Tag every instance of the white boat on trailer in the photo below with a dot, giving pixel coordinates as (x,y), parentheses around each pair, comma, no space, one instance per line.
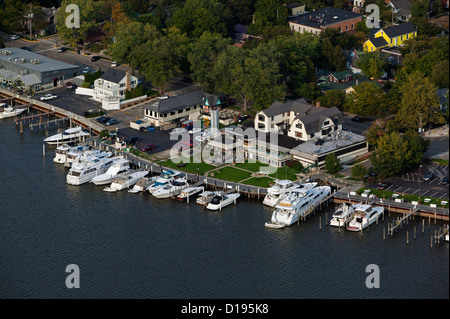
(187,193)
(125,181)
(342,215)
(68,135)
(296,204)
(221,200)
(276,192)
(364,215)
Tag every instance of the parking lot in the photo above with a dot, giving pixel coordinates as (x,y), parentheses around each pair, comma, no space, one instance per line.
(412,182)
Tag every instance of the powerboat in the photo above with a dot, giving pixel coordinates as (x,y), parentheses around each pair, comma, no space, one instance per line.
(125,181)
(188,192)
(220,201)
(9,111)
(84,156)
(171,189)
(63,150)
(364,215)
(120,166)
(142,184)
(67,136)
(164,179)
(342,215)
(205,197)
(83,173)
(275,193)
(296,204)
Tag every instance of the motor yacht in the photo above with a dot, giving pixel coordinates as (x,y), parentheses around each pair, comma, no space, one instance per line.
(120,166)
(83,173)
(84,156)
(125,181)
(275,193)
(68,135)
(142,184)
(171,189)
(205,197)
(342,215)
(296,204)
(221,200)
(9,111)
(165,178)
(187,193)
(364,215)
(63,150)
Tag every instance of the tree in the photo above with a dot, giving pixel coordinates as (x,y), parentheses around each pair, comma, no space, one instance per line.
(334,56)
(388,158)
(332,163)
(359,170)
(439,78)
(419,8)
(372,64)
(332,98)
(268,13)
(367,100)
(11,15)
(243,10)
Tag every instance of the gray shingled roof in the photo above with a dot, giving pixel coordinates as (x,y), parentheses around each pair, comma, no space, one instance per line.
(276,108)
(400,29)
(324,17)
(378,42)
(113,75)
(314,119)
(177,102)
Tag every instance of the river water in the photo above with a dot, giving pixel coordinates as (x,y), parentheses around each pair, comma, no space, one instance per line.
(135,246)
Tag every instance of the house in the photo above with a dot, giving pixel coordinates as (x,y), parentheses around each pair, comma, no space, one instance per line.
(113,84)
(299,120)
(443,99)
(401,8)
(357,6)
(344,81)
(329,17)
(295,9)
(390,37)
(352,58)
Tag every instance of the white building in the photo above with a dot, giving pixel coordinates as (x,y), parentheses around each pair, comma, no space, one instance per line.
(113,84)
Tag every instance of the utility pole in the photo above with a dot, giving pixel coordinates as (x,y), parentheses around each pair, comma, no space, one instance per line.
(30,17)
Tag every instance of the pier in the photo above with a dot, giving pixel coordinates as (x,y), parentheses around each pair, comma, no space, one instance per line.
(400,222)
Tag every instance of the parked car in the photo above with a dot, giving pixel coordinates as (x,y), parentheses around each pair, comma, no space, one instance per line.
(15,37)
(25,48)
(131,140)
(95,58)
(86,70)
(102,119)
(163,97)
(148,148)
(62,49)
(178,130)
(444,181)
(383,186)
(69,86)
(47,97)
(429,177)
(357,119)
(114,64)
(112,122)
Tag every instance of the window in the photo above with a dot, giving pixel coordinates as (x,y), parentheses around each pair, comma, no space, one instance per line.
(261,118)
(346,27)
(180,111)
(172,113)
(401,38)
(407,36)
(352,26)
(326,123)
(391,41)
(261,125)
(299,125)
(298,134)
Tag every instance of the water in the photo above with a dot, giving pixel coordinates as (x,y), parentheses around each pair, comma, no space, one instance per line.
(135,246)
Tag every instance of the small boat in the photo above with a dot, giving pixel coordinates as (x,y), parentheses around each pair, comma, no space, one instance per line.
(125,181)
(67,136)
(9,111)
(220,201)
(142,184)
(364,215)
(172,189)
(188,192)
(205,197)
(164,179)
(83,173)
(120,166)
(342,215)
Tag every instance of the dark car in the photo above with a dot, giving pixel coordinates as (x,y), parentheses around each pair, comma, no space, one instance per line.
(62,49)
(429,177)
(95,58)
(357,119)
(131,140)
(69,86)
(371,173)
(25,48)
(319,142)
(444,181)
(148,148)
(112,122)
(102,119)
(383,186)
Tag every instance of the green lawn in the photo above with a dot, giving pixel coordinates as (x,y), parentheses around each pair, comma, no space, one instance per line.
(259,181)
(189,167)
(231,174)
(254,167)
(285,172)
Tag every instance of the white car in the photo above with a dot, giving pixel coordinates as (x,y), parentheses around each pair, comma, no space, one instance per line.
(114,64)
(163,97)
(15,37)
(47,97)
(86,70)
(178,130)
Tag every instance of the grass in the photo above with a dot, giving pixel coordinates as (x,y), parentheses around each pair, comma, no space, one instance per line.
(231,174)
(440,161)
(259,181)
(285,172)
(189,166)
(254,167)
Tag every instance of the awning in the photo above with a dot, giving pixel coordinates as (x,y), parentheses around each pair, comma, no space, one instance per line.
(30,79)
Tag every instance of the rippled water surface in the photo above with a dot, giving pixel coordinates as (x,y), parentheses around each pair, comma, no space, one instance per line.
(135,246)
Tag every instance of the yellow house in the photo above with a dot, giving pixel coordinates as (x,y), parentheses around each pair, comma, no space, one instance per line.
(390,37)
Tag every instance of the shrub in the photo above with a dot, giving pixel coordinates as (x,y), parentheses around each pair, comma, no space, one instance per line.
(332,163)
(359,170)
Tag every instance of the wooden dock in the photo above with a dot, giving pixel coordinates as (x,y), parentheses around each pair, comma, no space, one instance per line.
(401,222)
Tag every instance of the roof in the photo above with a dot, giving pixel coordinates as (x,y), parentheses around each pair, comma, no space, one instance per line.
(211,100)
(325,17)
(30,79)
(294,5)
(240,28)
(113,75)
(45,64)
(378,42)
(276,108)
(400,29)
(342,74)
(314,119)
(404,7)
(177,102)
(283,141)
(342,86)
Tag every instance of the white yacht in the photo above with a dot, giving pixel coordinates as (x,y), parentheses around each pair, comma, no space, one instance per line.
(120,166)
(9,111)
(171,189)
(205,197)
(63,150)
(342,215)
(164,179)
(220,201)
(83,173)
(275,193)
(125,181)
(364,215)
(186,193)
(67,136)
(296,204)
(85,156)
(142,184)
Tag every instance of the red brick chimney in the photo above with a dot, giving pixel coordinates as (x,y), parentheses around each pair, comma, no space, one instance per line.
(128,81)
(317,104)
